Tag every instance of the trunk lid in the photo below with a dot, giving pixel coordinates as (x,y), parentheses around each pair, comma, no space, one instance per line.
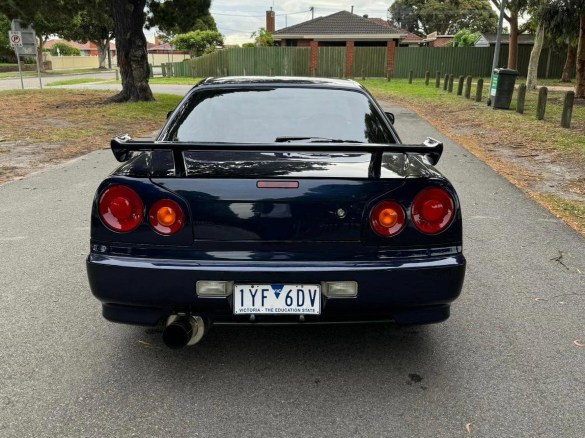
(330,203)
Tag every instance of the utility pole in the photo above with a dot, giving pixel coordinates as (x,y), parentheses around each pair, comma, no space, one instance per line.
(497,49)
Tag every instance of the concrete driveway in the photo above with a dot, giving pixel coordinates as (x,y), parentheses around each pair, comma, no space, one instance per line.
(504,365)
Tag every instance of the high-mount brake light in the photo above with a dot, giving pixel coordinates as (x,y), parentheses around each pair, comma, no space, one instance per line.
(432,210)
(166,217)
(387,218)
(120,208)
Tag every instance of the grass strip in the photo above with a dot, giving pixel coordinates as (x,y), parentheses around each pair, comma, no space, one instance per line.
(524,150)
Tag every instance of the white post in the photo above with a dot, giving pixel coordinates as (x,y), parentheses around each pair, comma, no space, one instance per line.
(38,67)
(19,67)
(497,50)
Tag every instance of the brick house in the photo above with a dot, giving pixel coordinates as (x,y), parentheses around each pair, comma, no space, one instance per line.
(341,29)
(435,40)
(411,40)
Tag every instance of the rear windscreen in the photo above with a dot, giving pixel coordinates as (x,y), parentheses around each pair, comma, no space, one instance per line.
(265,115)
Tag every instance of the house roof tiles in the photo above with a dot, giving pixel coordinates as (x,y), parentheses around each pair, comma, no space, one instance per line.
(340,23)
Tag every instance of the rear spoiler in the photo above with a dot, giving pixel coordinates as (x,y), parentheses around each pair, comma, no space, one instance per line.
(122,147)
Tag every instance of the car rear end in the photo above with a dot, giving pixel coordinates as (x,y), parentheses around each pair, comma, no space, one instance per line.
(291,233)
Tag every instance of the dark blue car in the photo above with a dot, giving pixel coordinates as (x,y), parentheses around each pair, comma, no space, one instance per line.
(275,200)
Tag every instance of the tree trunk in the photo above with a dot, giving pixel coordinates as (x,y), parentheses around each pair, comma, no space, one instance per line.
(535,58)
(40,54)
(131,52)
(102,47)
(580,81)
(513,42)
(569,63)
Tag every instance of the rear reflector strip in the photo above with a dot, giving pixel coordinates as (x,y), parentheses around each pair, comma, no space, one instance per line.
(277,184)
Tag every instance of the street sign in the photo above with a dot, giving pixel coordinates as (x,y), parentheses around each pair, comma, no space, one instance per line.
(24,42)
(15,39)
(28,39)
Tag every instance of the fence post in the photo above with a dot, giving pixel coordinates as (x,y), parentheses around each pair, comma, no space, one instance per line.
(468,87)
(450,87)
(446,82)
(479,90)
(164,70)
(427,77)
(410,74)
(269,72)
(225,71)
(568,109)
(150,71)
(460,85)
(389,75)
(438,80)
(521,99)
(541,106)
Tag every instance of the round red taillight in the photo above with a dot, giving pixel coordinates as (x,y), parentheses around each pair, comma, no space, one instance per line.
(432,210)
(387,218)
(120,208)
(166,217)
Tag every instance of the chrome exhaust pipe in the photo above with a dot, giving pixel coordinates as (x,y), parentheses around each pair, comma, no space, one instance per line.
(183,330)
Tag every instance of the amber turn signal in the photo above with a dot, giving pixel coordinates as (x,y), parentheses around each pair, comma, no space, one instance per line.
(387,218)
(166,216)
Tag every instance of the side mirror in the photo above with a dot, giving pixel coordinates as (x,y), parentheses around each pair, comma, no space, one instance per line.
(390,117)
(169,114)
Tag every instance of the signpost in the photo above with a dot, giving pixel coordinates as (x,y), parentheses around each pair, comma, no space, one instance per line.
(15,39)
(24,43)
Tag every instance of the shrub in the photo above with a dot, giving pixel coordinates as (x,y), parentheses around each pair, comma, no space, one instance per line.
(64,50)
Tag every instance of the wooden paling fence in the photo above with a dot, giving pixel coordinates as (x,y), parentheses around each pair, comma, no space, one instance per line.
(366,62)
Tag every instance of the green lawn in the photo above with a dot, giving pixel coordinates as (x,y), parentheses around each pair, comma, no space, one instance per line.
(76,81)
(14,74)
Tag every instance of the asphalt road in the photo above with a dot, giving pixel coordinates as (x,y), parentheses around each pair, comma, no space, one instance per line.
(32,82)
(504,365)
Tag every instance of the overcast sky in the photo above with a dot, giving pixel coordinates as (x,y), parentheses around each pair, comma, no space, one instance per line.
(237,20)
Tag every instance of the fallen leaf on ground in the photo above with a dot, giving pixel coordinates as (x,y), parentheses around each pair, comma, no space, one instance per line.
(579,343)
(468,427)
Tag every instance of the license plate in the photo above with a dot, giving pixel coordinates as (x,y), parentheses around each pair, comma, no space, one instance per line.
(277,299)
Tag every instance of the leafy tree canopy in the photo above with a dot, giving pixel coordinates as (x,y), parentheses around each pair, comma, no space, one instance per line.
(180,16)
(262,38)
(465,38)
(92,21)
(6,53)
(46,17)
(443,16)
(64,50)
(198,42)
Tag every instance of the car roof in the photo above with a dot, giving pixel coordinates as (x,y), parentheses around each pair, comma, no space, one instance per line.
(282,81)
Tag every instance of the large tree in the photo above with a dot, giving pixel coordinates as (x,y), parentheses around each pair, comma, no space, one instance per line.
(92,22)
(443,16)
(514,9)
(579,7)
(46,17)
(129,20)
(6,52)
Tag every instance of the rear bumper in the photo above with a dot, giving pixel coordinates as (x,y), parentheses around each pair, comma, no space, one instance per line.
(145,291)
